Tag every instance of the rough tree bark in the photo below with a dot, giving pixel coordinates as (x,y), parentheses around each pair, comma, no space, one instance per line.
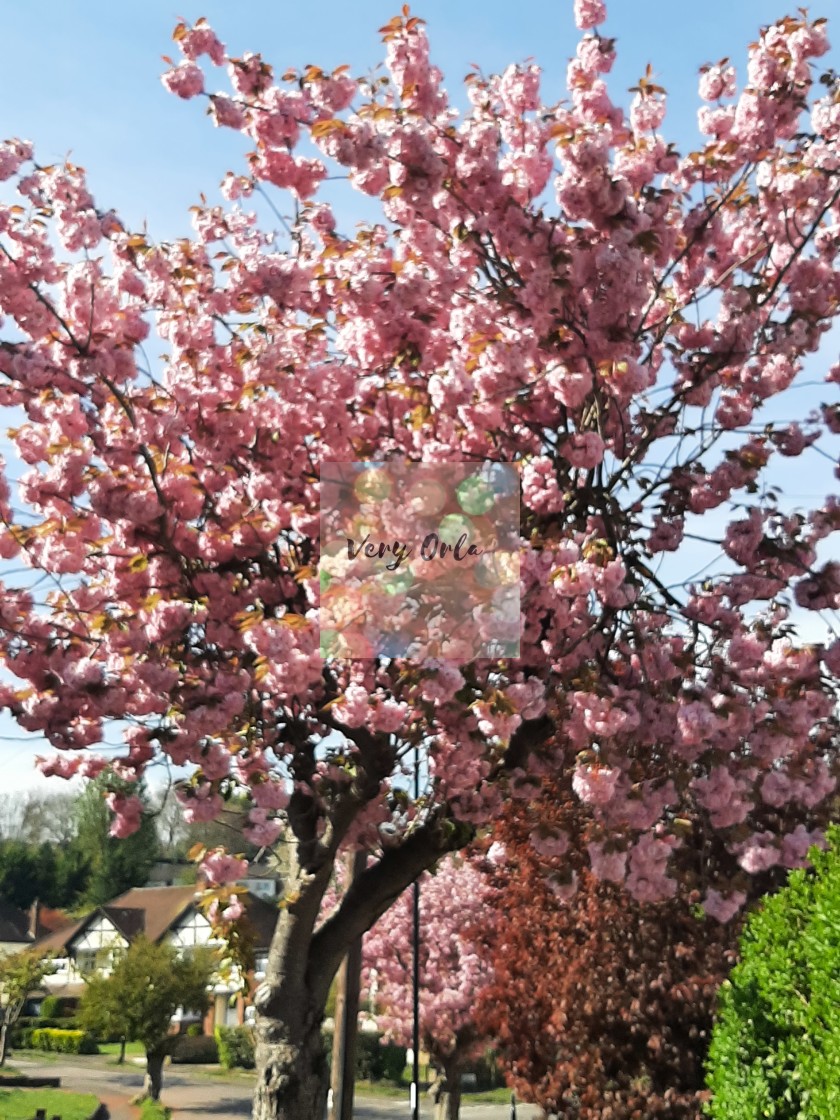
(292,1071)
(452,1073)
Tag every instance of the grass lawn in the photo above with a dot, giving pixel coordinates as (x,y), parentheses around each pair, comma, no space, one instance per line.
(36,1056)
(132,1049)
(389,1091)
(20,1104)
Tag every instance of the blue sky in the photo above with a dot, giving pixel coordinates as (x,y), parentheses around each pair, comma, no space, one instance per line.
(83,79)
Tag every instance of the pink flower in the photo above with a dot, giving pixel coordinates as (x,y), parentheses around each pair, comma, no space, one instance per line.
(184,80)
(226,112)
(589,13)
(723,907)
(759,853)
(595,785)
(59,765)
(261,830)
(12,154)
(584,450)
(608,865)
(717,82)
(647,113)
(200,40)
(234,910)
(388,716)
(219,868)
(128,812)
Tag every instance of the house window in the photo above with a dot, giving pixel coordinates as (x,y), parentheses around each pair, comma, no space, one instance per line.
(260,965)
(86,961)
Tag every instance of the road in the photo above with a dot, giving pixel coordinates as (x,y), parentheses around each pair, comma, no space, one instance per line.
(192,1094)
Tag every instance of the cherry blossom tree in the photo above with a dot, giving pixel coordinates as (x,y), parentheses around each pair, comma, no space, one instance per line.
(549,286)
(453,900)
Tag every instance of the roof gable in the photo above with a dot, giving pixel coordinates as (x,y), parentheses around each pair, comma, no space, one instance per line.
(160,907)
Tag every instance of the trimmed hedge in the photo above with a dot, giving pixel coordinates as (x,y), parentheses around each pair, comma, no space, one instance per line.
(63,1042)
(236,1047)
(375,1061)
(194,1050)
(775,1048)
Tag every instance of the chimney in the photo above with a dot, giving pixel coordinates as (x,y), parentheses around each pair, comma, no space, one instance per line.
(34,920)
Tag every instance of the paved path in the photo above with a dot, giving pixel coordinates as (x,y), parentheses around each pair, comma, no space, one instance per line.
(192,1095)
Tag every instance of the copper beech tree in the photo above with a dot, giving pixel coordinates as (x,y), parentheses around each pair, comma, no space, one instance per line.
(601,1007)
(550,286)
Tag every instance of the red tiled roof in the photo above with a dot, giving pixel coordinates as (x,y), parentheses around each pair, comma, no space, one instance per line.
(51,921)
(59,940)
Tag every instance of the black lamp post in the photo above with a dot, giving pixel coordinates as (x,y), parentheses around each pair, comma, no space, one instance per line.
(415,1073)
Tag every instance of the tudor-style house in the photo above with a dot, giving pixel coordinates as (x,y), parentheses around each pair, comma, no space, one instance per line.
(161,914)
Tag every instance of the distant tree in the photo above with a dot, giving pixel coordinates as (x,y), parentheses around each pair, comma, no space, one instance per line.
(36,818)
(137,1001)
(775,1050)
(452,974)
(72,871)
(20,882)
(20,974)
(116,864)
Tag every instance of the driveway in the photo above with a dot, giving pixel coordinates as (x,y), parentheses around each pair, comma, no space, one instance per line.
(191,1094)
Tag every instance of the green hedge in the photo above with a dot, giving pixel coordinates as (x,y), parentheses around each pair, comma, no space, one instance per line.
(236,1047)
(21,1033)
(375,1061)
(194,1050)
(775,1048)
(63,1042)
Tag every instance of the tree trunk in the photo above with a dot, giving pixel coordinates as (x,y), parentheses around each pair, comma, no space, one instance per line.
(4,1038)
(452,1072)
(293,1075)
(121,1057)
(291,1064)
(153,1079)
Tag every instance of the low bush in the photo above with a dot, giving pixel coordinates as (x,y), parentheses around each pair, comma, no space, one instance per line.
(236,1047)
(194,1030)
(375,1060)
(63,1041)
(378,1061)
(58,1007)
(154,1110)
(194,1050)
(487,1072)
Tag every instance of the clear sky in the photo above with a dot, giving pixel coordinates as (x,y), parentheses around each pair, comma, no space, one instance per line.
(81,77)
